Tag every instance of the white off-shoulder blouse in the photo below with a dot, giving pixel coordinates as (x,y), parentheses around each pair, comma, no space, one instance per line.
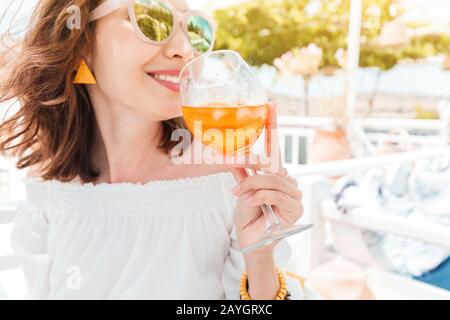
(169,239)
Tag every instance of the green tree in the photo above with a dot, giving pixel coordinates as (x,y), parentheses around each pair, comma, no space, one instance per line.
(427,45)
(263,30)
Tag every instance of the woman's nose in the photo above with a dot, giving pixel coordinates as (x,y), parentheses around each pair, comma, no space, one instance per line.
(179,47)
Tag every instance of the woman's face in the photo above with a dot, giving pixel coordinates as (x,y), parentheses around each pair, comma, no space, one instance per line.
(123,65)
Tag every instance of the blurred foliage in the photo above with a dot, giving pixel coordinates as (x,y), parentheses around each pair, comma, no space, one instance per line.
(423,114)
(427,45)
(262,30)
(419,47)
(155,22)
(382,58)
(201,37)
(265,29)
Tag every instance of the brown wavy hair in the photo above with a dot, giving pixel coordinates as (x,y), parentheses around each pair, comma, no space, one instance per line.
(55,125)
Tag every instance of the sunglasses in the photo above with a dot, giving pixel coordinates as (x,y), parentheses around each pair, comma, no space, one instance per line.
(156,22)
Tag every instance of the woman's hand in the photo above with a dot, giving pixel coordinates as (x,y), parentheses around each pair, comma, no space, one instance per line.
(278,190)
(274,187)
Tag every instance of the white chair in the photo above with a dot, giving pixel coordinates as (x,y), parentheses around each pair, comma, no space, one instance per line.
(12,282)
(344,232)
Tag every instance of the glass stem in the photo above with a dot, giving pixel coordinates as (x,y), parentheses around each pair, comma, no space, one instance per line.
(272,222)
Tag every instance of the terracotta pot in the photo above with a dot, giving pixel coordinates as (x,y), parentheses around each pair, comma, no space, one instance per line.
(446,64)
(328,71)
(329,146)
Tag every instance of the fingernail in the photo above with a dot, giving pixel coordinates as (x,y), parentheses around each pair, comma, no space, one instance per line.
(236,189)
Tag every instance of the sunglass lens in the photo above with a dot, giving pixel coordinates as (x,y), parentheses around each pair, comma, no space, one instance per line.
(200,33)
(154,19)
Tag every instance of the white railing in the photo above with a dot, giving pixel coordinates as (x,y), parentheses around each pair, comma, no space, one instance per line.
(296,134)
(369,123)
(351,166)
(321,211)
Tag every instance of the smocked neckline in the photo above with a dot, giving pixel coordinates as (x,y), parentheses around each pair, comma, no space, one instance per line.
(159,182)
(158,197)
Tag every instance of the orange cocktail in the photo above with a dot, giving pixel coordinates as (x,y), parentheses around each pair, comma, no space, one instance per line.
(227,129)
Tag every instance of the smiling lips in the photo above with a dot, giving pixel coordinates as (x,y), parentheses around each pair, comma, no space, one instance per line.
(167,78)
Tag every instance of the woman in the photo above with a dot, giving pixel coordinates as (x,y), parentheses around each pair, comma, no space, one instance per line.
(109,214)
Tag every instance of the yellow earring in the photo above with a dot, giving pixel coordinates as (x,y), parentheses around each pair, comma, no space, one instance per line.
(84,74)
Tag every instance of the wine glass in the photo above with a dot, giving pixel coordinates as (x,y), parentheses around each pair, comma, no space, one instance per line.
(226,108)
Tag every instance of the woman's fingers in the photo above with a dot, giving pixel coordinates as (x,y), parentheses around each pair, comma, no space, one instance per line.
(280,200)
(268,182)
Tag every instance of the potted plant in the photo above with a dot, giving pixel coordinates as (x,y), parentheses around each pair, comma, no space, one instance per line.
(331,143)
(329,71)
(446,63)
(304,62)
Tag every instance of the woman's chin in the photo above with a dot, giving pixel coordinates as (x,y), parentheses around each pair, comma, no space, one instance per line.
(164,108)
(172,115)
(176,115)
(174,108)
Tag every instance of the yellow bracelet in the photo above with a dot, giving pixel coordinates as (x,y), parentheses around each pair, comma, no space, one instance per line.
(282,292)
